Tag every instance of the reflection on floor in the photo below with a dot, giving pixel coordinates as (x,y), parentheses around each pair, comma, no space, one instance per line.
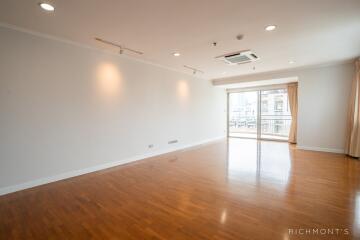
(235,189)
(259,160)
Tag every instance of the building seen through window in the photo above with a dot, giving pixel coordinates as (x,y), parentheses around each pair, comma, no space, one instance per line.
(274,113)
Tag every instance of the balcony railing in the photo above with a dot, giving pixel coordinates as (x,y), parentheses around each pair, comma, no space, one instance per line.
(273,125)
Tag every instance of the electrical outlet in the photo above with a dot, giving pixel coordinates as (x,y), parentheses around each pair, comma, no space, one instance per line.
(172,141)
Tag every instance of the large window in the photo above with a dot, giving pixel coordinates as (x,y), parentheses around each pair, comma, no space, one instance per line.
(243,114)
(261,114)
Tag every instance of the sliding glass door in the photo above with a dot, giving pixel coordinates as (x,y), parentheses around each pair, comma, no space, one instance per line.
(275,114)
(262,114)
(243,114)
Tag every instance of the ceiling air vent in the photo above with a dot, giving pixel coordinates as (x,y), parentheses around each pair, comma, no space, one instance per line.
(239,57)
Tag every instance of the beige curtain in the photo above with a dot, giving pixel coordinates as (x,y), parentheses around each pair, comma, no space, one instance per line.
(292,89)
(353,134)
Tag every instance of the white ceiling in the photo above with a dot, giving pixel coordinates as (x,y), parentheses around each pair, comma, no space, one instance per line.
(309,31)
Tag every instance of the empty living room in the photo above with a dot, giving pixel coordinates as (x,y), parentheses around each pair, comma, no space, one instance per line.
(179,120)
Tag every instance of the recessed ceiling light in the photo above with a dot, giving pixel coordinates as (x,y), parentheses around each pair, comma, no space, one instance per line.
(47,7)
(270,28)
(224,72)
(176,54)
(291,62)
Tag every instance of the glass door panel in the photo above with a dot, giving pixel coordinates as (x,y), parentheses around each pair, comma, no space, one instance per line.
(275,114)
(243,114)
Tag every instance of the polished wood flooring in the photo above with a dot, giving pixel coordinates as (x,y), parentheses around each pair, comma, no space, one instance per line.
(240,189)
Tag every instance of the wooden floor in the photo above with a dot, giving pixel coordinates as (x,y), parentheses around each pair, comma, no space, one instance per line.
(241,189)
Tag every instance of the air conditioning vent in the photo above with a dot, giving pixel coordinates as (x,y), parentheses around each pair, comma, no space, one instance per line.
(239,57)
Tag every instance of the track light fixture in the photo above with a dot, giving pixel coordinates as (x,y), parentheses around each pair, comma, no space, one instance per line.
(121,48)
(194,70)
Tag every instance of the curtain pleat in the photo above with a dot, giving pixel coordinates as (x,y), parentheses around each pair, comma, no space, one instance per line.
(352,147)
(292,89)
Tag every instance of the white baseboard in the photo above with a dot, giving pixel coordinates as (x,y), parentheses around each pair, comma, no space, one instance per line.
(320,149)
(79,172)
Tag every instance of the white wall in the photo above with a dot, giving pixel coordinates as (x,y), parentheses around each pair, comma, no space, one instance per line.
(65,108)
(323,102)
(323,106)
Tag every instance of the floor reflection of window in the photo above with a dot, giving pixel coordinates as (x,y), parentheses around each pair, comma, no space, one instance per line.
(275,161)
(259,160)
(243,155)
